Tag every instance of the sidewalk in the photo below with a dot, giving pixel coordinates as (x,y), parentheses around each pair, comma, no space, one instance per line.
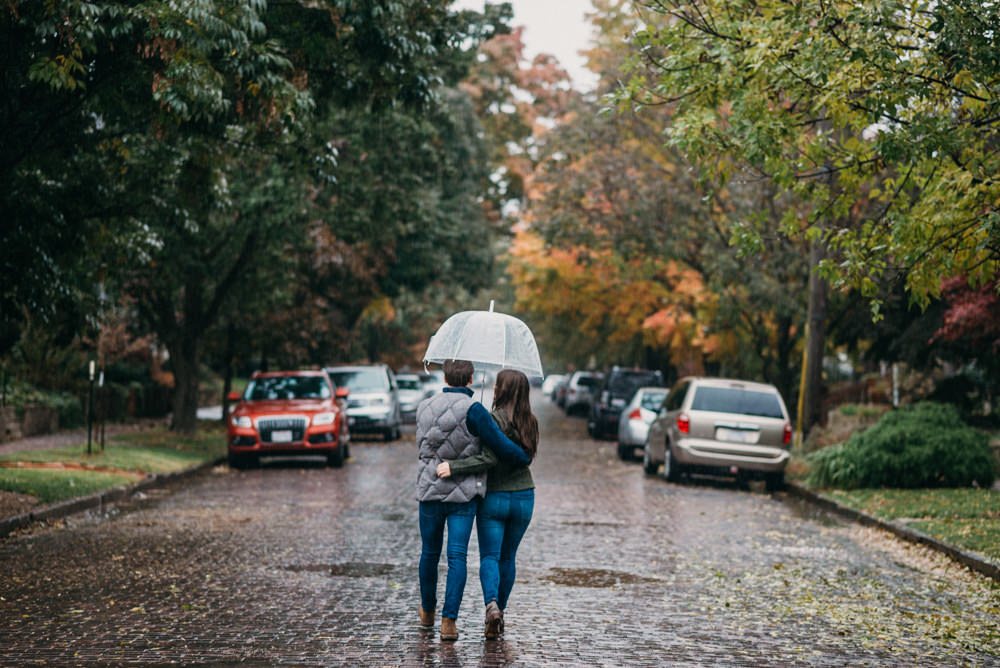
(71,437)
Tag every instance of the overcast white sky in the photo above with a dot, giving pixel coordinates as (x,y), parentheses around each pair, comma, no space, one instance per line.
(552,26)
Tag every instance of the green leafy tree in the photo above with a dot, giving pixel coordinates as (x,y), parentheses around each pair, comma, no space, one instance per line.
(880,114)
(181,149)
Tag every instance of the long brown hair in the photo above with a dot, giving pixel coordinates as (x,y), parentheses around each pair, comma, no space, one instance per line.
(511,396)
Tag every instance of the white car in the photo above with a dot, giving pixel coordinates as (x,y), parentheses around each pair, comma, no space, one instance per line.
(373,402)
(550,383)
(580,390)
(635,418)
(411,392)
(433,380)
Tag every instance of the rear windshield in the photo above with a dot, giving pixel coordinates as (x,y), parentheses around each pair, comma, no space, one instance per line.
(652,401)
(287,387)
(625,384)
(588,381)
(361,380)
(735,400)
(408,383)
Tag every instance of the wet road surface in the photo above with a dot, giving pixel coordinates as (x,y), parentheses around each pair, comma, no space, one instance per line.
(297,564)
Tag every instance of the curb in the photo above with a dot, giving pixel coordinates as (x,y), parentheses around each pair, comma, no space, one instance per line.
(971,560)
(100,499)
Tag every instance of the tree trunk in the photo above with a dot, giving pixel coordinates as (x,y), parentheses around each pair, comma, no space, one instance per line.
(185,358)
(812,412)
(227,376)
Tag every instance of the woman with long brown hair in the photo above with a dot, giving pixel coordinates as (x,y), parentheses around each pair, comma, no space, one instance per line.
(505,512)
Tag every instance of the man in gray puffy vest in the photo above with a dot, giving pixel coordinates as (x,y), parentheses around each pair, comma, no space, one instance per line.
(451,425)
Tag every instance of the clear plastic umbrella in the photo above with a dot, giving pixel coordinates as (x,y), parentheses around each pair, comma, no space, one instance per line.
(491,341)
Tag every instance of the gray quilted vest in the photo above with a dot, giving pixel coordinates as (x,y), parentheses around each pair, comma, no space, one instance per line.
(442,434)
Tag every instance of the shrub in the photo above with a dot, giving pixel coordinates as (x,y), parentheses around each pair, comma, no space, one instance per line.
(71,410)
(923,445)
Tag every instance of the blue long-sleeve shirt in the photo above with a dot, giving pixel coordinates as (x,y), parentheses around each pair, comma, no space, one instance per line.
(482,426)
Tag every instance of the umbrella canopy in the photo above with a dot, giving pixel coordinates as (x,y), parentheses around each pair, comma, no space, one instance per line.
(490,340)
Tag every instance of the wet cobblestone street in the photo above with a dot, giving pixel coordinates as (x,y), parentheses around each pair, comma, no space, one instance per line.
(298,564)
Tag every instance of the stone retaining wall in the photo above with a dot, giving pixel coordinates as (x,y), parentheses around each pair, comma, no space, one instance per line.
(10,426)
(35,420)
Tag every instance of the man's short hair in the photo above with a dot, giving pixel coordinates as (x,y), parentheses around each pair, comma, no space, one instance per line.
(458,373)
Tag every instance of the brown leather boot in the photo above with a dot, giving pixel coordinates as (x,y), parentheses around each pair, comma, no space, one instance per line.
(494,620)
(426,618)
(448,629)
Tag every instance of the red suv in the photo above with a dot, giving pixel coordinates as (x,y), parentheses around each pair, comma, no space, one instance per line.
(288,413)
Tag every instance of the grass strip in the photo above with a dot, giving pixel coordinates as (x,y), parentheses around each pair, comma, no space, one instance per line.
(964,517)
(156,450)
(50,486)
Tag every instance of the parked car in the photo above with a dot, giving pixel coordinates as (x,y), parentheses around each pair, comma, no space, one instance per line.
(559,393)
(618,387)
(580,390)
(715,425)
(288,413)
(635,418)
(550,383)
(411,392)
(373,404)
(433,380)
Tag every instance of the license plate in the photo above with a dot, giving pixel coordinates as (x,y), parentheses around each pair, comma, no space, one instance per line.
(733,435)
(281,436)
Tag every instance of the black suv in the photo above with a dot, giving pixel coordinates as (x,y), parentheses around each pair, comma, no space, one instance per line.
(618,387)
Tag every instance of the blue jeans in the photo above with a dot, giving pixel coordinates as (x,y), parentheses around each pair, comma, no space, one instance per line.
(458,517)
(502,520)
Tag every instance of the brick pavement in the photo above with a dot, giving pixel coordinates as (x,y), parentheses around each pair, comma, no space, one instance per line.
(297,564)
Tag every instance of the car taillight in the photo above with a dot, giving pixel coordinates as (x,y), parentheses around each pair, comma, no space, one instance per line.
(786,438)
(683,423)
(635,415)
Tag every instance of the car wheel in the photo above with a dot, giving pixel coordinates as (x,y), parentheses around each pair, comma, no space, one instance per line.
(671,470)
(774,482)
(647,464)
(335,458)
(624,452)
(591,429)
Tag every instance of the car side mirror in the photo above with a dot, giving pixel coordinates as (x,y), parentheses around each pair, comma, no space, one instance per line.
(233,396)
(341,392)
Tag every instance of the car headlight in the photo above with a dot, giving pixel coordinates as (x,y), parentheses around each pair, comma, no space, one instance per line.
(242,421)
(324,418)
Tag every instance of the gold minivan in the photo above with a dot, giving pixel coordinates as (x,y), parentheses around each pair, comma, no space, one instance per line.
(721,426)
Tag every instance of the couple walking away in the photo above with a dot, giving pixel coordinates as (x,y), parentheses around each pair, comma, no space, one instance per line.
(473,465)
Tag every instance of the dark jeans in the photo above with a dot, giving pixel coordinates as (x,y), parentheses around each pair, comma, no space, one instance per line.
(434,516)
(502,520)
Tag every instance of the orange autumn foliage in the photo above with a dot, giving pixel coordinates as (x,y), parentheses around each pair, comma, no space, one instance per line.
(608,299)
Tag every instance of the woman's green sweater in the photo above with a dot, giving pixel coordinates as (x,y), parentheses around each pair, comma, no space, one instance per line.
(501,476)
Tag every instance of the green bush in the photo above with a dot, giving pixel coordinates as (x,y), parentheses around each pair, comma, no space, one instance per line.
(71,410)
(71,413)
(923,445)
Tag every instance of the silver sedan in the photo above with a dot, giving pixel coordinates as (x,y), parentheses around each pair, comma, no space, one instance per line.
(633,424)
